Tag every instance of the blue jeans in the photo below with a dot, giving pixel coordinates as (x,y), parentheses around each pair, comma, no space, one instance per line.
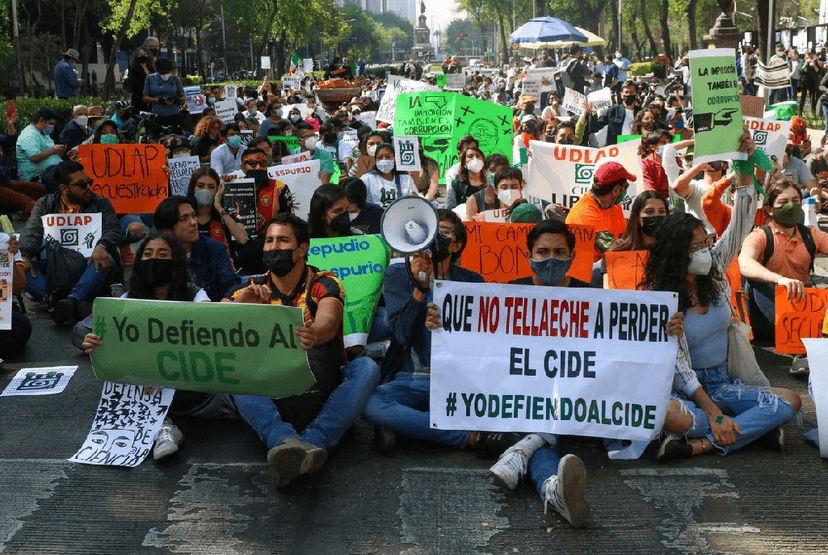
(380,329)
(777,95)
(402,405)
(341,409)
(85,289)
(825,114)
(127,219)
(755,409)
(542,464)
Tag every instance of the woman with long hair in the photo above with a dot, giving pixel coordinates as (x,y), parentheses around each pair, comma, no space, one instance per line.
(142,65)
(213,220)
(206,137)
(328,215)
(385,183)
(710,408)
(471,178)
(646,215)
(650,151)
(367,150)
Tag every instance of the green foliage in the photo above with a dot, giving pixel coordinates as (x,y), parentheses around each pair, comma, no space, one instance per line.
(26,107)
(141,18)
(642,68)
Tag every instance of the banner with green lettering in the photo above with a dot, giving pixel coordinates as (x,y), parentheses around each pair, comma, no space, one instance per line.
(359,262)
(717,106)
(440,119)
(246,349)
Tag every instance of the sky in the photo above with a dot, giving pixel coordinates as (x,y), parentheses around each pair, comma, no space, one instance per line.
(442,12)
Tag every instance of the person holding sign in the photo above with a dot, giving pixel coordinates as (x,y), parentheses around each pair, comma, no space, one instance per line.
(299,430)
(385,183)
(13,340)
(213,220)
(507,190)
(73,197)
(160,273)
(708,406)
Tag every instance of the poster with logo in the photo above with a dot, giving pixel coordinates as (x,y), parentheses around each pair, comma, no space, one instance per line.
(6,289)
(195,99)
(717,117)
(77,232)
(407,153)
(240,202)
(769,134)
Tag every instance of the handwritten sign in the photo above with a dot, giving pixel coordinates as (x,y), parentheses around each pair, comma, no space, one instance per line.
(798,319)
(230,92)
(600,99)
(398,85)
(818,361)
(195,99)
(498,252)
(130,176)
(180,171)
(264,62)
(572,101)
(226,110)
(455,81)
(77,232)
(246,136)
(498,215)
(625,269)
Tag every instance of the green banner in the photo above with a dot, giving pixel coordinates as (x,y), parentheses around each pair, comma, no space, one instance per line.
(246,349)
(717,107)
(441,118)
(291,141)
(359,262)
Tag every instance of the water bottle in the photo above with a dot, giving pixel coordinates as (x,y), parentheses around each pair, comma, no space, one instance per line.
(809,207)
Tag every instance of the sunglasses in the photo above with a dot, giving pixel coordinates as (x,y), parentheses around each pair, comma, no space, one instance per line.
(83,184)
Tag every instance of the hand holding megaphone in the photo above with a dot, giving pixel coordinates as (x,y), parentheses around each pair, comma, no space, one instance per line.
(422,269)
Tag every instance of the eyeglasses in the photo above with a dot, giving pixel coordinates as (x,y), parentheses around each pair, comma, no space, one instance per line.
(256,163)
(706,244)
(83,184)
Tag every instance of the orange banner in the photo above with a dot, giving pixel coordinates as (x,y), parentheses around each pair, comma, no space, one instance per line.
(497,251)
(625,269)
(798,319)
(130,176)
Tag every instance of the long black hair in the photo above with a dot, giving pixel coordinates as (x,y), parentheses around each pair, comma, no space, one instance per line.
(180,288)
(323,198)
(670,258)
(633,237)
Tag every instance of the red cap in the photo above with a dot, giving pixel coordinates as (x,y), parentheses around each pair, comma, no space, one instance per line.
(610,172)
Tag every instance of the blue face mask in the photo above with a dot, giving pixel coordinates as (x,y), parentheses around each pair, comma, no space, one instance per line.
(234,141)
(679,124)
(49,130)
(551,270)
(660,151)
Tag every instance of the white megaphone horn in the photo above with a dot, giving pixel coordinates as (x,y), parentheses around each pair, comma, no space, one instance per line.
(409,226)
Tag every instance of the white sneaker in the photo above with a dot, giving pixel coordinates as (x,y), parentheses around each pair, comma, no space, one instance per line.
(566,491)
(512,464)
(167,440)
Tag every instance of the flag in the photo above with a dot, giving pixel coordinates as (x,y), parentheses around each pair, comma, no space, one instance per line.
(295,63)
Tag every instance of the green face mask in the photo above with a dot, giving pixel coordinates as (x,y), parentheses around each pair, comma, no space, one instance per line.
(787,215)
(622,198)
(109,139)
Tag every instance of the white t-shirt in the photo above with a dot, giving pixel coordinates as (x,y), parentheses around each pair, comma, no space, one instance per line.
(451,173)
(382,192)
(346,150)
(626,127)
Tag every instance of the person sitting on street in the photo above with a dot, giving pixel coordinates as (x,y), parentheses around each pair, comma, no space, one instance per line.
(76,131)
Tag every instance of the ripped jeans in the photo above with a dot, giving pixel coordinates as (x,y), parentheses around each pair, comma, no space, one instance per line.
(755,409)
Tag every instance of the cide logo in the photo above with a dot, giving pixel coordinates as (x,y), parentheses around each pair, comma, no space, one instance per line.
(584,173)
(760,138)
(69,237)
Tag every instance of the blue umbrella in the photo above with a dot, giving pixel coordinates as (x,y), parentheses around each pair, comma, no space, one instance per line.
(546,29)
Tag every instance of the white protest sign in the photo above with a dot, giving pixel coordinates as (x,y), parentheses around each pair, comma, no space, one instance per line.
(195,99)
(6,288)
(368,118)
(246,136)
(40,381)
(265,62)
(600,99)
(77,232)
(398,85)
(498,215)
(302,179)
(307,65)
(226,110)
(772,77)
(770,134)
(455,81)
(290,83)
(350,136)
(562,174)
(818,357)
(127,419)
(296,158)
(572,101)
(532,85)
(180,171)
(587,362)
(230,91)
(407,152)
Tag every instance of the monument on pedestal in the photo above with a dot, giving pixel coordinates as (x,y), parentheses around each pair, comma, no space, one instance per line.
(724,34)
(422,50)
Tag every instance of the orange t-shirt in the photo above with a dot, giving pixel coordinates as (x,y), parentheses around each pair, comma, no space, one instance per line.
(790,256)
(587,211)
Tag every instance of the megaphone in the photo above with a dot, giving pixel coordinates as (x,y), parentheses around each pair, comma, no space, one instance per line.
(409,225)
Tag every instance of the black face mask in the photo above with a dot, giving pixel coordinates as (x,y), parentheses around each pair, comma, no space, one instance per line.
(280,261)
(259,177)
(567,140)
(143,59)
(329,137)
(440,248)
(341,224)
(629,100)
(156,271)
(650,224)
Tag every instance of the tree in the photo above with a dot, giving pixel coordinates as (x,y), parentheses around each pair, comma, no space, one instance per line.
(127,19)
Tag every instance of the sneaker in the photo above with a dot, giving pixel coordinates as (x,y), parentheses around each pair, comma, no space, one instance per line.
(385,438)
(566,491)
(293,457)
(494,442)
(512,464)
(167,440)
(800,366)
(673,446)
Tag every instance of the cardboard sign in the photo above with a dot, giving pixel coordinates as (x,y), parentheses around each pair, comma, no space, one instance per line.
(562,360)
(359,262)
(244,349)
(625,269)
(572,101)
(752,106)
(798,319)
(6,289)
(717,119)
(180,171)
(226,110)
(818,387)
(302,179)
(130,176)
(195,99)
(498,252)
(240,201)
(407,152)
(77,232)
(398,85)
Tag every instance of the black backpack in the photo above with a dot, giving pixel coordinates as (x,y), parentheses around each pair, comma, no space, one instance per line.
(807,238)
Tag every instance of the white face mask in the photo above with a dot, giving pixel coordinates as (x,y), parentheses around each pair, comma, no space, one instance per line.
(508,196)
(165,76)
(310,143)
(474,165)
(385,166)
(700,262)
(180,154)
(353,215)
(372,150)
(82,120)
